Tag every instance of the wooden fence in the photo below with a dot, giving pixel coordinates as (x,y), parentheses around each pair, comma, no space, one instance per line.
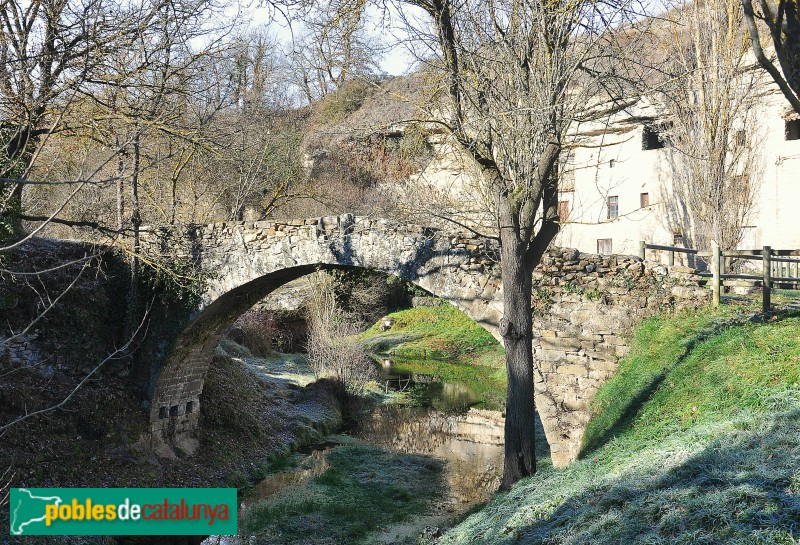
(777,267)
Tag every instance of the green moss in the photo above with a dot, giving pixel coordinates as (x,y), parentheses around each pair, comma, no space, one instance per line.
(444,342)
(436,332)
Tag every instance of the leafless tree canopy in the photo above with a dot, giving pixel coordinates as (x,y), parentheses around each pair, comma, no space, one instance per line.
(714,167)
(782,22)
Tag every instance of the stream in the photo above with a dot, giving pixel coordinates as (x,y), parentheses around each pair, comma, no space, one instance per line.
(435,435)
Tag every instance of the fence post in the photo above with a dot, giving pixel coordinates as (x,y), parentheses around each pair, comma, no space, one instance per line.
(641,249)
(766,303)
(671,256)
(715,279)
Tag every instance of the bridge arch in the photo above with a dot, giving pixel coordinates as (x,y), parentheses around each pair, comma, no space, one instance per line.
(583,305)
(246,262)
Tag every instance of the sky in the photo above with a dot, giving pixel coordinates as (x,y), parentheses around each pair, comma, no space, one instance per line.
(396,60)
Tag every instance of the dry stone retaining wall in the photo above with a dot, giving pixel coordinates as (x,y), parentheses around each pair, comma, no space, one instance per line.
(585,307)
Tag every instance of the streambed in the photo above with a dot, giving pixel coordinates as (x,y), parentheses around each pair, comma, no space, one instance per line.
(417,462)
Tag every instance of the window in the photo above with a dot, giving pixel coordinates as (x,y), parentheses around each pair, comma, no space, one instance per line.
(644,200)
(613,207)
(650,139)
(655,136)
(740,139)
(793,129)
(677,240)
(611,163)
(604,246)
(563,211)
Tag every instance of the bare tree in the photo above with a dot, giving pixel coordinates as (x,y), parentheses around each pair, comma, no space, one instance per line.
(331,49)
(83,84)
(782,22)
(714,163)
(48,50)
(514,76)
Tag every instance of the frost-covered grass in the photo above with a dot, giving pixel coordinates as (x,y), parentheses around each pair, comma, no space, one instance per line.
(291,368)
(695,440)
(363,489)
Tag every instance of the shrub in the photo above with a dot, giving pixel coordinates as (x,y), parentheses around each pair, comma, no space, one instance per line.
(257,330)
(334,348)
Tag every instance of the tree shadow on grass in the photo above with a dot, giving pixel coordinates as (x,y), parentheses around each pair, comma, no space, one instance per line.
(627,417)
(743,488)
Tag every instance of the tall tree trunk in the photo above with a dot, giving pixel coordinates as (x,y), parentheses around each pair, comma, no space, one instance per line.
(516,330)
(120,186)
(132,310)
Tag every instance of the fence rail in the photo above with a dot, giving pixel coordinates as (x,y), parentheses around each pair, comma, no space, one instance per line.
(672,250)
(776,267)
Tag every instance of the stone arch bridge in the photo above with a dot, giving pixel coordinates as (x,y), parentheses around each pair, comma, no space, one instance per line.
(583,304)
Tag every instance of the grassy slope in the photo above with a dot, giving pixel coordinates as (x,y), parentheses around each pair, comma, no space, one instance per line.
(443,341)
(695,440)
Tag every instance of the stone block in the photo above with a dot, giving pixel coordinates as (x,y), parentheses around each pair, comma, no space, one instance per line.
(546,366)
(578,359)
(603,365)
(560,343)
(558,383)
(599,374)
(551,355)
(571,403)
(603,356)
(588,345)
(574,370)
(585,335)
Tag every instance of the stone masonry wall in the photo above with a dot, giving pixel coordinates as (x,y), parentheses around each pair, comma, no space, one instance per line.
(243,262)
(585,307)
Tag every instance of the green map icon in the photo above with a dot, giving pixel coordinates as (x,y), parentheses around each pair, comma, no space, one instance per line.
(27,509)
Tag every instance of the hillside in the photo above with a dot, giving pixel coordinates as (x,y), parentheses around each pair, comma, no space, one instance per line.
(695,440)
(442,341)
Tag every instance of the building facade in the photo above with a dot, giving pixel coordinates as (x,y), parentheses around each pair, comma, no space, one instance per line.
(617,188)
